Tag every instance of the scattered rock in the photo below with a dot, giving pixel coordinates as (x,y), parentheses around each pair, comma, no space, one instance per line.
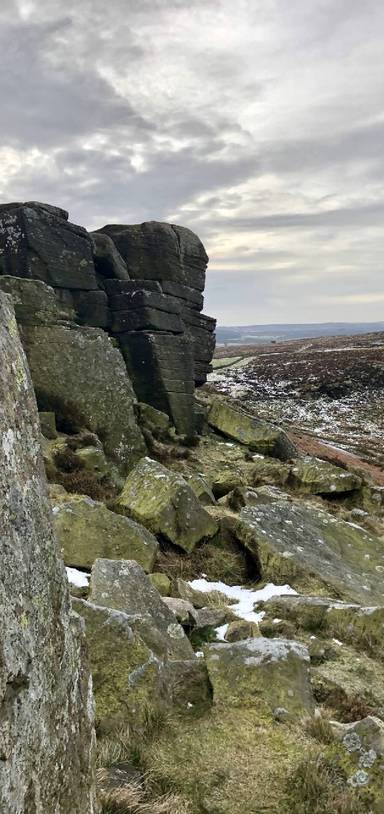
(311,475)
(271,671)
(163,502)
(254,433)
(123,585)
(87,530)
(161,582)
(241,629)
(310,549)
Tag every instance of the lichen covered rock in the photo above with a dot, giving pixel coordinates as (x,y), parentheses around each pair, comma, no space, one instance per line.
(81,376)
(87,530)
(254,433)
(270,672)
(46,724)
(310,475)
(163,502)
(313,551)
(123,585)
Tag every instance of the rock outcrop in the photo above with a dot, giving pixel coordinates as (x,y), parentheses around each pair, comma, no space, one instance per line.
(46,722)
(142,284)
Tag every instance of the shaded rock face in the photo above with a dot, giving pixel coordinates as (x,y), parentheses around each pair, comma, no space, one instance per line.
(143,284)
(168,264)
(46,722)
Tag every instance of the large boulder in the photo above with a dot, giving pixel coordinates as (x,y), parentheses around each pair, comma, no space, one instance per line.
(128,678)
(311,475)
(79,374)
(163,502)
(36,240)
(274,672)
(161,251)
(123,585)
(256,434)
(87,530)
(46,722)
(311,550)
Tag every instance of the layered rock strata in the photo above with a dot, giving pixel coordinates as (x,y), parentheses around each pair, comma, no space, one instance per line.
(142,284)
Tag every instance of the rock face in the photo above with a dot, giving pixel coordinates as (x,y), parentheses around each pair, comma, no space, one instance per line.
(163,502)
(46,725)
(144,284)
(80,375)
(87,530)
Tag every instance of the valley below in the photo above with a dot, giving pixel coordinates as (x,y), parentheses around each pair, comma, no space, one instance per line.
(327,392)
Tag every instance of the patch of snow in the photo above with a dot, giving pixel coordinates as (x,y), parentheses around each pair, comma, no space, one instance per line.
(245,598)
(77,578)
(220,632)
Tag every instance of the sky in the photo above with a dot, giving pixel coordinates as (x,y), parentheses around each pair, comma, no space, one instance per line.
(259,124)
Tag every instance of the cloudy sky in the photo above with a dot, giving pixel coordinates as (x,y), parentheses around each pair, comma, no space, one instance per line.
(257,123)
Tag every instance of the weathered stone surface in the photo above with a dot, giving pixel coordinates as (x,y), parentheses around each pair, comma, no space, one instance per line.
(310,549)
(311,475)
(254,433)
(123,585)
(208,617)
(153,419)
(161,368)
(182,610)
(161,582)
(359,755)
(92,308)
(80,375)
(46,724)
(127,677)
(268,671)
(34,301)
(241,629)
(163,502)
(201,489)
(108,261)
(87,530)
(37,241)
(268,471)
(161,251)
(362,627)
(188,685)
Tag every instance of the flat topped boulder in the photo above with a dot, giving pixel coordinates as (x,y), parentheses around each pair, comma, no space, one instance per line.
(161,251)
(163,502)
(123,585)
(311,475)
(252,432)
(87,530)
(274,672)
(313,551)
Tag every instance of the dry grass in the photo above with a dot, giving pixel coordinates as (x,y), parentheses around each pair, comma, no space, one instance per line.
(133,799)
(319,728)
(317,787)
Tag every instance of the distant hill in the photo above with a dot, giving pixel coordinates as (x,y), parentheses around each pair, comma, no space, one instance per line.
(254,334)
